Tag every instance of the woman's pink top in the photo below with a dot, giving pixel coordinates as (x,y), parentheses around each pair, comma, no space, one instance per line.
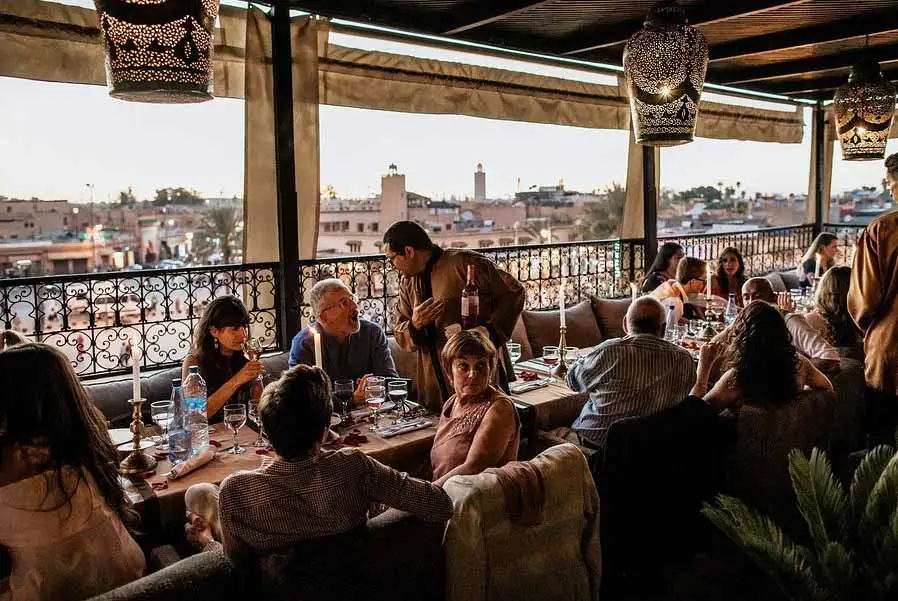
(71,552)
(456,434)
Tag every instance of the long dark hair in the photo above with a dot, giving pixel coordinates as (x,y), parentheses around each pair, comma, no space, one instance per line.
(763,357)
(665,254)
(722,275)
(44,405)
(832,304)
(824,239)
(216,369)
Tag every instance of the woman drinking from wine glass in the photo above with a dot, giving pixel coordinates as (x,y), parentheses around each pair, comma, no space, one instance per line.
(62,508)
(218,351)
(478,426)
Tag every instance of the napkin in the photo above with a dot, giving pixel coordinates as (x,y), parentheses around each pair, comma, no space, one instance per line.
(191,464)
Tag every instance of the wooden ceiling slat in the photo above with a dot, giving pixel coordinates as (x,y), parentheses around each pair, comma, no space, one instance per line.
(821,87)
(733,76)
(708,13)
(483,13)
(853,27)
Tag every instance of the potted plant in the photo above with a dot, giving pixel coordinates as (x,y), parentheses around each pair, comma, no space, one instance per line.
(853,532)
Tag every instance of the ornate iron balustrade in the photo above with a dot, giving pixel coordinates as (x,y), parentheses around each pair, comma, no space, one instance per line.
(764,250)
(601,268)
(93,318)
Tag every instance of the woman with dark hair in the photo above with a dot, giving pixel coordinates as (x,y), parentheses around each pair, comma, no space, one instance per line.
(823,250)
(830,316)
(765,368)
(730,275)
(664,267)
(218,351)
(62,508)
(478,426)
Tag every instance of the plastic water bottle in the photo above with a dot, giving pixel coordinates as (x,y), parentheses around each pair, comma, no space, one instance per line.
(670,331)
(178,439)
(195,401)
(730,313)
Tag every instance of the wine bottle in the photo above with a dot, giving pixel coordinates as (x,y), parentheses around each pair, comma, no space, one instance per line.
(470,301)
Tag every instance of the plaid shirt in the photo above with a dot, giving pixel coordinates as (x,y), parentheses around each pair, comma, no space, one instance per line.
(284,502)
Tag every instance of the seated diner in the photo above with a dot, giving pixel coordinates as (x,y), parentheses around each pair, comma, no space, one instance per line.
(690,280)
(830,316)
(730,275)
(478,427)
(820,257)
(218,352)
(664,267)
(64,519)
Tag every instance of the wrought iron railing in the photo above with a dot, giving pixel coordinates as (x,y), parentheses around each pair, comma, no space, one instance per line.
(602,268)
(94,318)
(764,250)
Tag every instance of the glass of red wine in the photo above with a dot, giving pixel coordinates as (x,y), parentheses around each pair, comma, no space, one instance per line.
(343,393)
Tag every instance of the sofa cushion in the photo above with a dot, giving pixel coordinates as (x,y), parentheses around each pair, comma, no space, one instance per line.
(519,335)
(776,282)
(609,314)
(790,279)
(542,327)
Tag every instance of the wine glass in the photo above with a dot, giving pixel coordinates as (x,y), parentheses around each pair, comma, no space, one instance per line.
(163,413)
(398,393)
(374,397)
(252,349)
(571,355)
(234,419)
(253,411)
(514,351)
(550,355)
(344,390)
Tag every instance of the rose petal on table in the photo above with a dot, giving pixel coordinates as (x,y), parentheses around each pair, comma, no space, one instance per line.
(261,451)
(215,443)
(147,475)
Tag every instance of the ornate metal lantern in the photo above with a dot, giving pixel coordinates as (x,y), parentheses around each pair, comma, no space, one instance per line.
(665,64)
(158,50)
(864,109)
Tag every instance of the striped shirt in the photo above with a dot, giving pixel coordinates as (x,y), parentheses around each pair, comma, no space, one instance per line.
(625,377)
(285,502)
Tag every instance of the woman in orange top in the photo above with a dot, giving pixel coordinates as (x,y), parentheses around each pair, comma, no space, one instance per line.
(730,275)
(478,426)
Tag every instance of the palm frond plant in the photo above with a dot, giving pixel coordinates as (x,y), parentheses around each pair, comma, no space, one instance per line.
(853,532)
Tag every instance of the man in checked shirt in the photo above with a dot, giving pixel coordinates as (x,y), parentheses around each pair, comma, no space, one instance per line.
(306,492)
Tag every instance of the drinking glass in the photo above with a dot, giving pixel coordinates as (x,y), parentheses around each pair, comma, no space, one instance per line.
(253,412)
(571,354)
(514,351)
(252,349)
(550,355)
(343,393)
(163,413)
(375,391)
(398,393)
(234,419)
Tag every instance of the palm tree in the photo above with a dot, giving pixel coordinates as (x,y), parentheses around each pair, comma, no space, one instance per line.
(854,532)
(602,219)
(221,229)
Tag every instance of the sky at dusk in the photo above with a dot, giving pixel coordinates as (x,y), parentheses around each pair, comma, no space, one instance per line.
(58,138)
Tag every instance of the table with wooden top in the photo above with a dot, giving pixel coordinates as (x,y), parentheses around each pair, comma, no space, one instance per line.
(162,509)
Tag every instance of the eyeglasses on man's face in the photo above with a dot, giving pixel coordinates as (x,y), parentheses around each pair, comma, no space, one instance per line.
(350,300)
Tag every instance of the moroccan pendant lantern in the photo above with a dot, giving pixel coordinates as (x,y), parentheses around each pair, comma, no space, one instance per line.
(158,50)
(665,65)
(864,109)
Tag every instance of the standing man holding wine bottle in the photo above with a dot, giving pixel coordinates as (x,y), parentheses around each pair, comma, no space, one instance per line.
(441,293)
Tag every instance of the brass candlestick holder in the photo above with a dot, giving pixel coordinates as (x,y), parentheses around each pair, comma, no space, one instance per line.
(137,462)
(560,370)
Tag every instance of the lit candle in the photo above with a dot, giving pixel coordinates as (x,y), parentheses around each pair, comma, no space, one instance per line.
(708,282)
(135,369)
(317,338)
(817,269)
(634,290)
(561,301)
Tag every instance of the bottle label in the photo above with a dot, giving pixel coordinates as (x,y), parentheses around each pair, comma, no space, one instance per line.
(470,305)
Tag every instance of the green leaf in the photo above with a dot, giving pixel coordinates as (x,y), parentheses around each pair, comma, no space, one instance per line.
(764,542)
(882,501)
(836,572)
(865,478)
(821,500)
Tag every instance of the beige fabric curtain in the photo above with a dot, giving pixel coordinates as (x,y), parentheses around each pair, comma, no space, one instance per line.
(260,187)
(47,41)
(633,225)
(829,142)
